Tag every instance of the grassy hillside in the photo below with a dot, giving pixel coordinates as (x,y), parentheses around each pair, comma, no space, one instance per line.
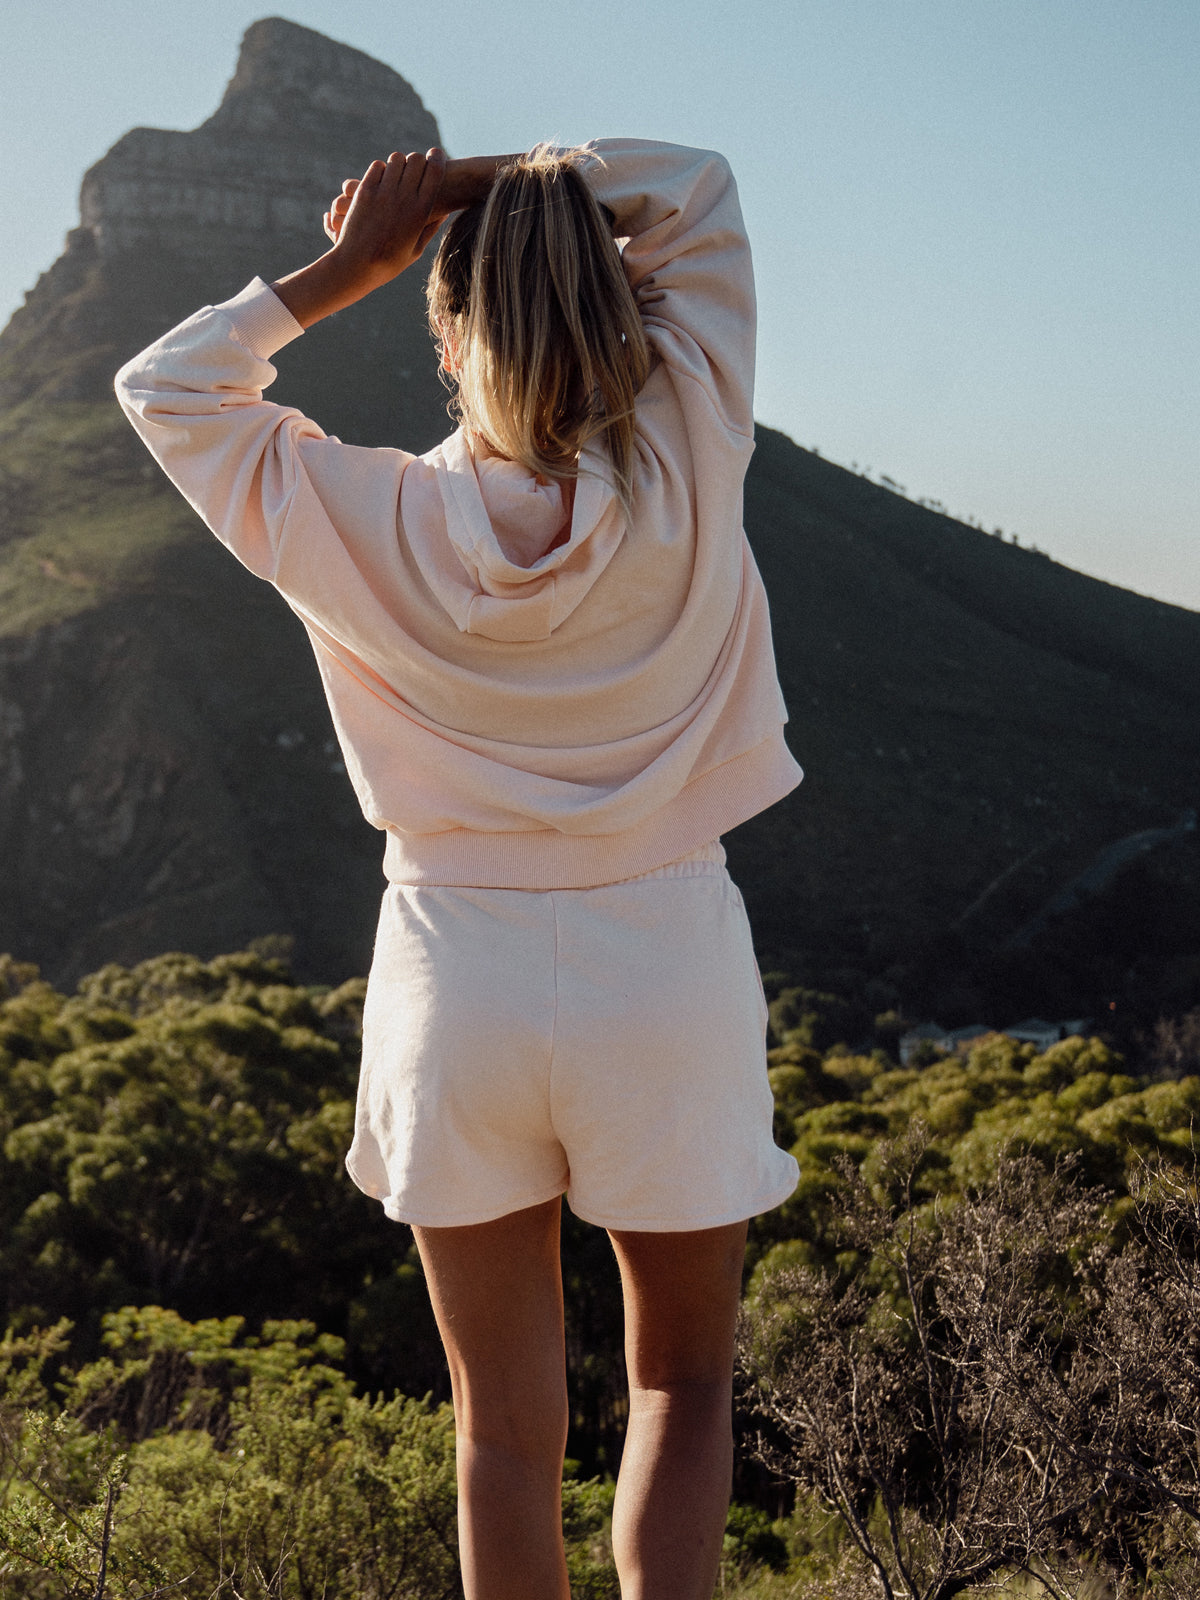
(975,722)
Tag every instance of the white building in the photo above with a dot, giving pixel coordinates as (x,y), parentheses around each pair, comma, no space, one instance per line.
(1038,1032)
(1034,1030)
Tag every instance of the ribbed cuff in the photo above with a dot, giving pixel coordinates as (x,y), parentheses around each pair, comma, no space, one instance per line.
(262,319)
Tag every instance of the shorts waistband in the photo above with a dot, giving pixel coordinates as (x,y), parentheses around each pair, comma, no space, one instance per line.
(707,861)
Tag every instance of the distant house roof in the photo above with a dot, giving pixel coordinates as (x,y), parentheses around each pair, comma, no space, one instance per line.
(976,1030)
(926,1030)
(1035,1030)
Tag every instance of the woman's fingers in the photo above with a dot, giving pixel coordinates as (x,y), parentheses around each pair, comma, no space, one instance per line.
(405,171)
(386,218)
(432,173)
(336,215)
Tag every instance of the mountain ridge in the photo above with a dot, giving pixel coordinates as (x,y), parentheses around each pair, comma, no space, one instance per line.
(968,711)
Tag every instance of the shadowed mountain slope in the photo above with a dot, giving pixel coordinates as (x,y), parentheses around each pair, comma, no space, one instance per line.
(977,723)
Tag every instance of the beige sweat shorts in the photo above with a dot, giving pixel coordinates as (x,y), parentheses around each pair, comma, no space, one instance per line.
(605,1043)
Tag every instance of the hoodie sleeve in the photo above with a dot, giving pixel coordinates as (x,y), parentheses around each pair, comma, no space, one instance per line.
(688,261)
(251,469)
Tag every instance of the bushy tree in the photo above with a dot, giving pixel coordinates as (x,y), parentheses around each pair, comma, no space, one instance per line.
(173,1136)
(987,1385)
(1076,1098)
(196,1460)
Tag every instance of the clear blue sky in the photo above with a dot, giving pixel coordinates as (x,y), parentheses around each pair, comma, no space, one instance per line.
(975,221)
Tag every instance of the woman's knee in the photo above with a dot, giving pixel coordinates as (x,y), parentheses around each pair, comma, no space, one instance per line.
(523,1417)
(688,1403)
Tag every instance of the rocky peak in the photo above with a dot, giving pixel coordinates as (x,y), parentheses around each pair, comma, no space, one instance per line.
(290,80)
(168,777)
(300,113)
(172,220)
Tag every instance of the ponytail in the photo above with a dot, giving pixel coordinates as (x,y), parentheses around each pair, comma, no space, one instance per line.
(536,322)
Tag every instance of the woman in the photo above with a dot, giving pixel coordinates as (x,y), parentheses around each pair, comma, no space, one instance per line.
(547,654)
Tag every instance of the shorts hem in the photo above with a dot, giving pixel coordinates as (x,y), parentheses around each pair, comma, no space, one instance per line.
(417,1217)
(710,1219)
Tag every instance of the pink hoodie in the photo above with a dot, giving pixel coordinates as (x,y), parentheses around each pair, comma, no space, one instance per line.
(515,718)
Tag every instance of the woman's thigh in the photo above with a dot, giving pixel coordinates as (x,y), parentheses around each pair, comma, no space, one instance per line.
(496,1289)
(681,1293)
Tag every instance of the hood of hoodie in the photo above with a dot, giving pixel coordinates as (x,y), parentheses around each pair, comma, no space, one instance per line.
(481,528)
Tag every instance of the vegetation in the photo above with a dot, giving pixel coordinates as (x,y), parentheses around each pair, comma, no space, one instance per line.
(999,1387)
(193,1460)
(82,514)
(217,1348)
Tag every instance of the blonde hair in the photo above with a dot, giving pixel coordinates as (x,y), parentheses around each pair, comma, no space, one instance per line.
(536,322)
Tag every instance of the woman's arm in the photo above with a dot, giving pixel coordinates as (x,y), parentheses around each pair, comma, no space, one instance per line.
(388,223)
(380,224)
(688,261)
(196,395)
(468,181)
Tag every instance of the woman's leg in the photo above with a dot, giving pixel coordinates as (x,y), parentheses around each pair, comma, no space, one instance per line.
(681,1298)
(497,1295)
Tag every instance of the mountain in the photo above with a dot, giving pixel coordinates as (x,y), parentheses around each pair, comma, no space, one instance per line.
(979,725)
(166,766)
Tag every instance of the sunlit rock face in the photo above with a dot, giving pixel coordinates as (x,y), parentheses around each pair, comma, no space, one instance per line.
(173,220)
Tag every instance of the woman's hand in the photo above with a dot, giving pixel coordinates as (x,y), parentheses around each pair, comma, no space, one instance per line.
(380,224)
(390,215)
(464,182)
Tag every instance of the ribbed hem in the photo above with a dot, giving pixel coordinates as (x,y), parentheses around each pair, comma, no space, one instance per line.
(547,859)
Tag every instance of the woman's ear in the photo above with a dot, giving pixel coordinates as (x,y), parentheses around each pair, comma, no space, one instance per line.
(449,348)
